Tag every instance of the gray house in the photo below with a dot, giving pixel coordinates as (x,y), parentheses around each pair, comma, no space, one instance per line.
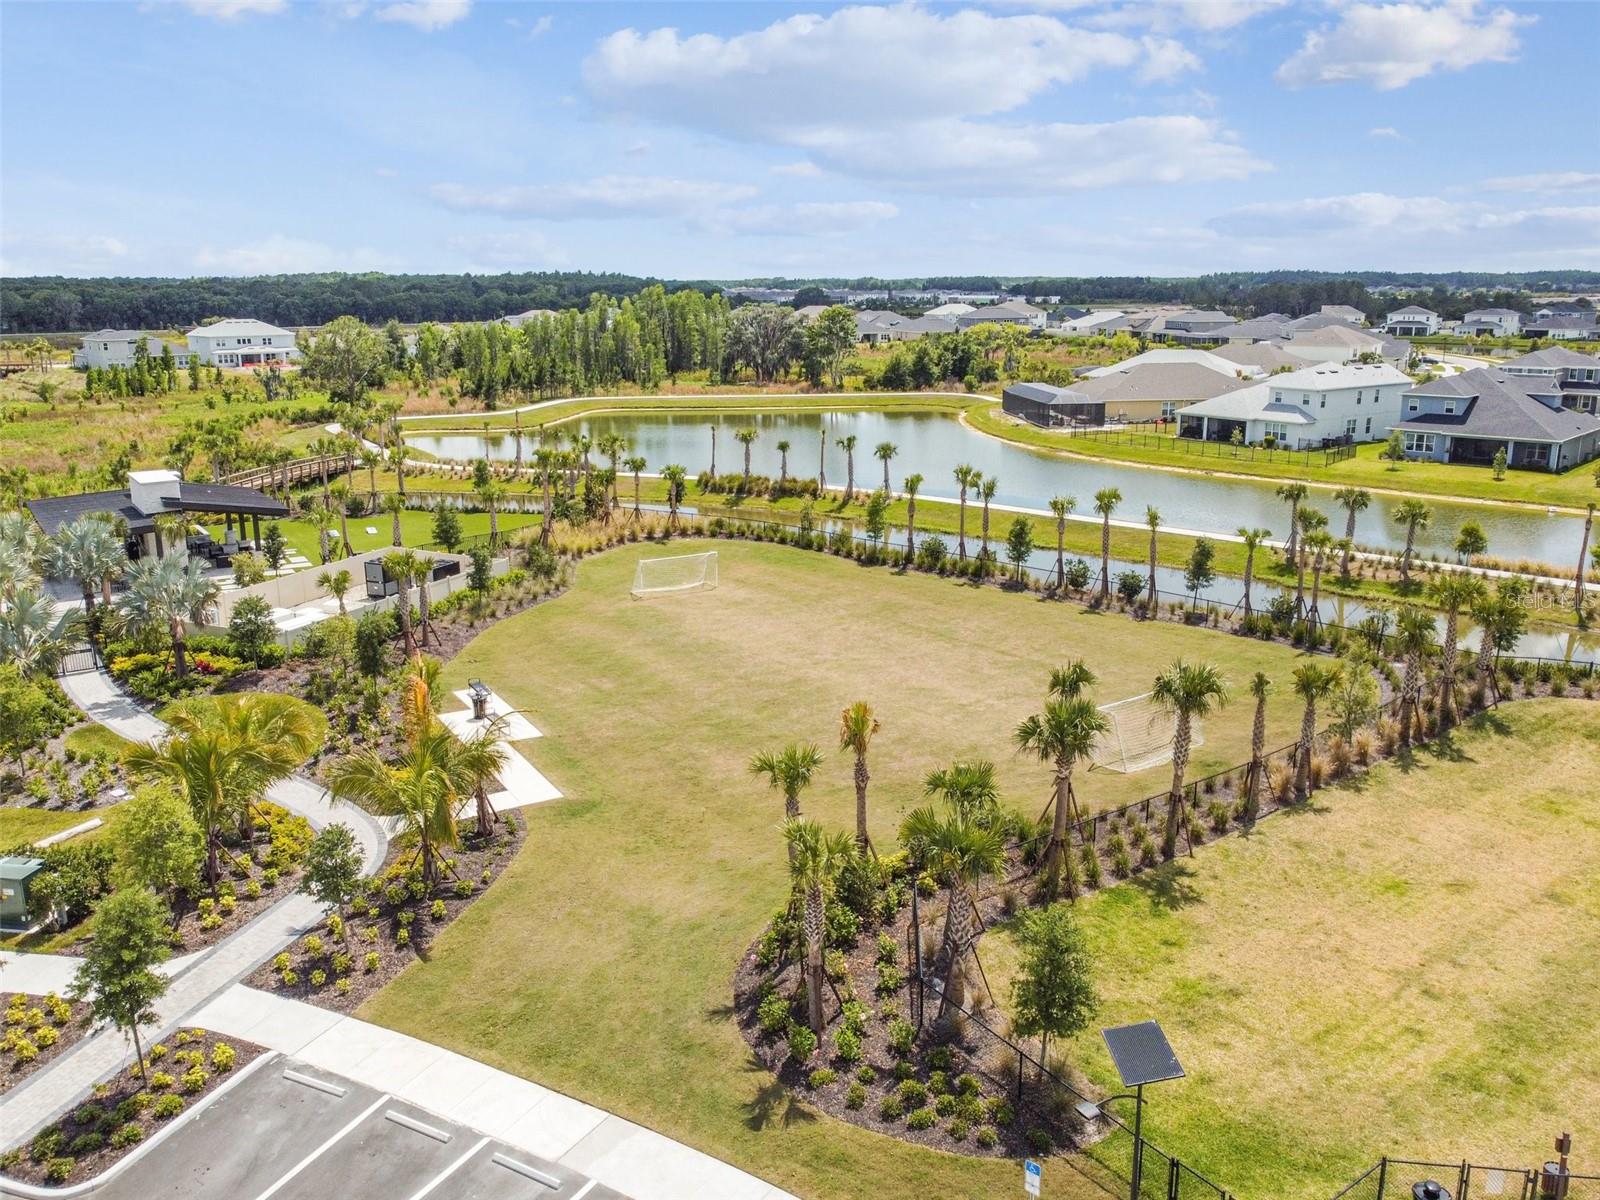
(1468,418)
(1048,405)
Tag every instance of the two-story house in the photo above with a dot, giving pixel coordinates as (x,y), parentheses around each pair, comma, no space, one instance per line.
(1312,407)
(1471,417)
(242,342)
(1575,377)
(1411,321)
(120,348)
(1490,322)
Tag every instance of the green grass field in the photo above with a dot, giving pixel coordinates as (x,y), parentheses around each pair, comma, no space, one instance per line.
(602,964)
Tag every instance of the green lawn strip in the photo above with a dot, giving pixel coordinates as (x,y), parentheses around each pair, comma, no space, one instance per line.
(416,528)
(20,826)
(601,964)
(1412,967)
(96,739)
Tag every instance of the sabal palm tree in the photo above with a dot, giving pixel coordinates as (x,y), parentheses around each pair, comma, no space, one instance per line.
(164,593)
(1452,591)
(1061,506)
(322,517)
(493,494)
(1318,543)
(1498,616)
(965,477)
(1312,682)
(815,858)
(1292,494)
(1186,691)
(1414,631)
(90,552)
(370,459)
(1255,774)
(968,785)
(421,576)
(612,445)
(394,503)
(1252,538)
(1583,561)
(401,566)
(341,506)
(783,462)
(790,771)
(1105,503)
(959,851)
(884,452)
(848,445)
(1152,518)
(912,485)
(856,728)
(1064,732)
(337,585)
(674,475)
(1414,515)
(636,465)
(987,486)
(1353,500)
(746,438)
(822,462)
(398,454)
(34,637)
(1311,521)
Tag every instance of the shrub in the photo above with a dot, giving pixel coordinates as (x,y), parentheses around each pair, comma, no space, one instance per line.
(280,962)
(288,978)
(166,1107)
(773,1014)
(867,1075)
(402,937)
(988,1138)
(968,1085)
(58,1170)
(958,1129)
(855,1096)
(891,1109)
(912,1094)
(901,1034)
(437,910)
(939,1058)
(1220,814)
(905,1070)
(126,1135)
(922,1118)
(88,1114)
(313,946)
(369,960)
(1001,1112)
(1039,1140)
(342,985)
(86,1143)
(971,1109)
(821,1078)
(46,1143)
(160,1081)
(890,979)
(888,950)
(945,1105)
(342,963)
(938,1081)
(847,1046)
(464,888)
(370,933)
(194,1079)
(46,1036)
(802,1042)
(223,1057)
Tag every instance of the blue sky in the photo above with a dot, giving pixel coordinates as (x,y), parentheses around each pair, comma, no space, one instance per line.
(718,140)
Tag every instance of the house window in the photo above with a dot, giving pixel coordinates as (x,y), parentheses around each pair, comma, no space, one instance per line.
(1350,427)
(1419,443)
(1275,429)
(1369,426)
(1324,403)
(1412,406)
(1449,408)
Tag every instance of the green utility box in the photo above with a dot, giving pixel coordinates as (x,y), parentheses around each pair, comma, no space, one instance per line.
(16,873)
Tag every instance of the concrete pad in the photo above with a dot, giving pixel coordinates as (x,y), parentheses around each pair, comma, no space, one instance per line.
(447,1083)
(517,729)
(553,1126)
(376,1057)
(500,1103)
(646,1165)
(278,1022)
(522,784)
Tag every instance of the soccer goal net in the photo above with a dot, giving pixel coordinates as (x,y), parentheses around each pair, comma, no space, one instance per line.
(680,573)
(1140,735)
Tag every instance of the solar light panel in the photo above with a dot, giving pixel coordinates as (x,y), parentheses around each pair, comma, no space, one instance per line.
(1142,1054)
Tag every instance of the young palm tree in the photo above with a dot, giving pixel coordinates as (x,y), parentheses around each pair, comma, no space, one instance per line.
(612,445)
(1061,735)
(884,452)
(1583,560)
(822,463)
(1061,506)
(544,462)
(674,475)
(636,465)
(398,454)
(420,792)
(493,494)
(986,491)
(1353,500)
(1152,518)
(401,566)
(1452,591)
(783,462)
(394,504)
(1187,691)
(337,585)
(967,786)
(1498,616)
(1292,494)
(959,851)
(1414,631)
(341,507)
(33,636)
(1105,503)
(1312,682)
(1252,538)
(965,477)
(421,576)
(856,727)
(89,552)
(746,438)
(166,593)
(789,770)
(1318,542)
(370,459)
(848,445)
(1311,521)
(322,517)
(1255,774)
(1414,515)
(815,858)
(912,485)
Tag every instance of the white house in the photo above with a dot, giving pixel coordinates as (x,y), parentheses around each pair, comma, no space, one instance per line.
(117,348)
(1491,322)
(1012,312)
(1411,321)
(242,342)
(1340,343)
(1349,314)
(1304,409)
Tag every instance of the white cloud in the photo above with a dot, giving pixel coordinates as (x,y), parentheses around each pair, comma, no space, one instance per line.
(541,26)
(510,250)
(1165,59)
(1207,16)
(809,219)
(602,196)
(426,15)
(799,170)
(1546,181)
(282,255)
(1386,131)
(232,10)
(1391,45)
(62,254)
(637,149)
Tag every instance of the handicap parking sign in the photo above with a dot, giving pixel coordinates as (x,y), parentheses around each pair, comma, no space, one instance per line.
(1032,1172)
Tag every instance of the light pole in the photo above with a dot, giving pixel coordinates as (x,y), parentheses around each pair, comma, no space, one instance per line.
(1142,1055)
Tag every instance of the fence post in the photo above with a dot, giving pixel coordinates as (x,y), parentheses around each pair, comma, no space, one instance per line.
(1463,1179)
(1019,1076)
(1383,1175)
(1172,1179)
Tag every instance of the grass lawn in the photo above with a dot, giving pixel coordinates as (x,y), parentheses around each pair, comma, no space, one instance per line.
(96,739)
(416,528)
(20,826)
(1413,968)
(602,963)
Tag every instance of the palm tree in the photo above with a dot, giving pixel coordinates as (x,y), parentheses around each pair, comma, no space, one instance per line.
(611,445)
(959,851)
(401,566)
(1583,561)
(493,494)
(1251,538)
(1061,735)
(822,462)
(815,858)
(636,465)
(1452,591)
(398,454)
(165,593)
(34,637)
(1353,500)
(1105,503)
(848,445)
(674,475)
(884,452)
(1318,541)
(966,476)
(89,552)
(1312,682)
(422,575)
(790,770)
(986,491)
(1292,494)
(1414,636)
(1311,521)
(856,727)
(1255,774)
(1061,506)
(336,584)
(1414,515)
(1187,691)
(713,429)
(322,517)
(746,438)
(341,506)
(394,504)
(544,461)
(783,463)
(912,485)
(370,459)
(969,786)
(1152,518)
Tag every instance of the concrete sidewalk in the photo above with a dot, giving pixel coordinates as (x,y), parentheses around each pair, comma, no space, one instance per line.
(618,1153)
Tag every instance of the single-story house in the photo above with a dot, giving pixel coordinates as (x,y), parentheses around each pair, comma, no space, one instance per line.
(1411,321)
(1490,322)
(151,494)
(1340,343)
(1468,418)
(1261,358)
(120,348)
(1258,329)
(1202,325)
(1153,391)
(1051,406)
(1349,314)
(1563,327)
(949,311)
(241,342)
(1010,312)
(1322,405)
(1576,376)
(518,320)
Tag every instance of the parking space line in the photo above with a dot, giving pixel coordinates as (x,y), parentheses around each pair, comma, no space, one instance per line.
(585,1189)
(526,1171)
(333,1089)
(450,1170)
(416,1126)
(325,1147)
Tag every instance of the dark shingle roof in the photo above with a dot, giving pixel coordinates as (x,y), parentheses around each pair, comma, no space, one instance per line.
(1498,406)
(55,511)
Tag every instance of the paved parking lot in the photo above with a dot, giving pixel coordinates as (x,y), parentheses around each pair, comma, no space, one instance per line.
(293,1132)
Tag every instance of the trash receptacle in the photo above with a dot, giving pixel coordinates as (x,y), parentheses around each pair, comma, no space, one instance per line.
(480,700)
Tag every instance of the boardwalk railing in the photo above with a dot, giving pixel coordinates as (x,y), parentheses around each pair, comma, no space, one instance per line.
(287,475)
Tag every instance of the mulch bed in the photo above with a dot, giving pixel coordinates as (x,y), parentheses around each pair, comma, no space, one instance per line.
(123,1111)
(68,1032)
(81,785)
(476,861)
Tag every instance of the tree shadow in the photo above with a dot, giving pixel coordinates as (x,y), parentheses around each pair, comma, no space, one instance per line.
(773,1104)
(1167,887)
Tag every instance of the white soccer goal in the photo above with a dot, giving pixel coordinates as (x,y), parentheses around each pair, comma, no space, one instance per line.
(680,573)
(1140,736)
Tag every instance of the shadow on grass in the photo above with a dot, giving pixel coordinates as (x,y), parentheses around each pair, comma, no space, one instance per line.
(1167,887)
(773,1104)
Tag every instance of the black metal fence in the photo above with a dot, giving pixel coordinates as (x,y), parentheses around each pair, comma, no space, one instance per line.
(78,660)
(1397,1177)
(1153,438)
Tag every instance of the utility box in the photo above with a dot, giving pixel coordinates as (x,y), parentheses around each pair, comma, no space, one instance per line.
(16,874)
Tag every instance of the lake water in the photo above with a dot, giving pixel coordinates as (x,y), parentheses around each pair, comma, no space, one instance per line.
(934,443)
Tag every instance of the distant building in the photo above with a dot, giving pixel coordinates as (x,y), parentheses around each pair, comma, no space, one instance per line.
(1575,376)
(1470,417)
(1051,406)
(242,342)
(1153,391)
(1340,343)
(1562,327)
(1305,409)
(518,320)
(1411,321)
(1195,326)
(1011,312)
(1261,358)
(117,348)
(949,311)
(1490,322)
(1346,313)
